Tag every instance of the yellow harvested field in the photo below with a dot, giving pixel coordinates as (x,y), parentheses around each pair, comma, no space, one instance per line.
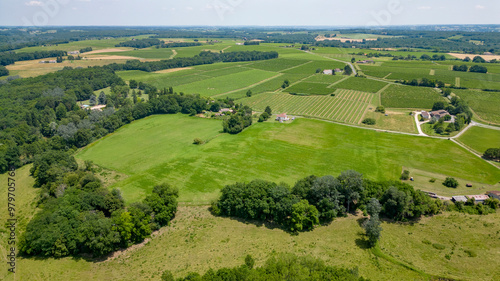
(113,57)
(486,57)
(172,70)
(109,50)
(33,68)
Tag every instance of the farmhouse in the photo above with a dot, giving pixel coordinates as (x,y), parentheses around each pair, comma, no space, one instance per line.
(494,194)
(459,198)
(282,117)
(337,70)
(439,113)
(73,52)
(328,71)
(425,115)
(478,198)
(222,110)
(98,107)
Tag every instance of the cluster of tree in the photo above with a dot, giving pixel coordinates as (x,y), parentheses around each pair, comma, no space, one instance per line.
(235,123)
(433,58)
(424,82)
(369,121)
(489,206)
(347,70)
(285,84)
(492,154)
(320,199)
(85,50)
(459,108)
(79,215)
(139,43)
(246,43)
(178,44)
(279,267)
(3,71)
(266,114)
(11,57)
(203,58)
(372,225)
(474,68)
(70,57)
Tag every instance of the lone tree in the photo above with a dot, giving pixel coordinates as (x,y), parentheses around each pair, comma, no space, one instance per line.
(372,226)
(92,100)
(268,110)
(102,98)
(347,70)
(249,93)
(450,182)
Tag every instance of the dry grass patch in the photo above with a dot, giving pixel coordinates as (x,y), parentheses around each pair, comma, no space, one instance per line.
(172,70)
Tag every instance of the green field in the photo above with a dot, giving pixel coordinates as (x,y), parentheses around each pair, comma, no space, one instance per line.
(485,104)
(147,53)
(149,155)
(480,139)
(399,96)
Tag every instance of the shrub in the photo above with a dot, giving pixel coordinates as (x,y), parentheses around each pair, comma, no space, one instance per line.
(425,241)
(439,246)
(380,108)
(405,175)
(198,141)
(450,182)
(470,253)
(432,180)
(369,121)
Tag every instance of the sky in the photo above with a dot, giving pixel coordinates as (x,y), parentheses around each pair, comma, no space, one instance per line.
(247,12)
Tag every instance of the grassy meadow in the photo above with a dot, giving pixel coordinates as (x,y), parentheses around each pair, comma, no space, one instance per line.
(480,139)
(159,148)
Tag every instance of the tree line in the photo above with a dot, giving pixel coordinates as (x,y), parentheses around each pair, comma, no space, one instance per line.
(277,267)
(204,57)
(321,199)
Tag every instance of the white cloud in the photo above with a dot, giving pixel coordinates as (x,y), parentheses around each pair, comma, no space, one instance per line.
(424,8)
(34,3)
(479,7)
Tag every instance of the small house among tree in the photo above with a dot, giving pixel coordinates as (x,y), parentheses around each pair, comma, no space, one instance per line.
(438,114)
(328,71)
(282,117)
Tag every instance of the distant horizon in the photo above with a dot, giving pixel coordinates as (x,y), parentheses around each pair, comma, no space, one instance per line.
(262,26)
(229,13)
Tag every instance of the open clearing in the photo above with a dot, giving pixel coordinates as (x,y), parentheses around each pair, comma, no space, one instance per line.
(159,148)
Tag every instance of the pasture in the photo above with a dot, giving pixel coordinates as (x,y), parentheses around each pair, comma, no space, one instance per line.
(480,139)
(399,96)
(159,148)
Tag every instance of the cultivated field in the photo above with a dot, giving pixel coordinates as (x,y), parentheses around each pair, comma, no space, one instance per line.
(485,104)
(480,139)
(346,106)
(150,155)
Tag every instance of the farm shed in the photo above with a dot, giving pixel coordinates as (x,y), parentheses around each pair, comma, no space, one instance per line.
(328,71)
(459,198)
(479,198)
(425,114)
(282,117)
(494,194)
(222,110)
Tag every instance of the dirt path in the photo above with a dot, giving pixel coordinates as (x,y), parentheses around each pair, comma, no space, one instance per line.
(174,53)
